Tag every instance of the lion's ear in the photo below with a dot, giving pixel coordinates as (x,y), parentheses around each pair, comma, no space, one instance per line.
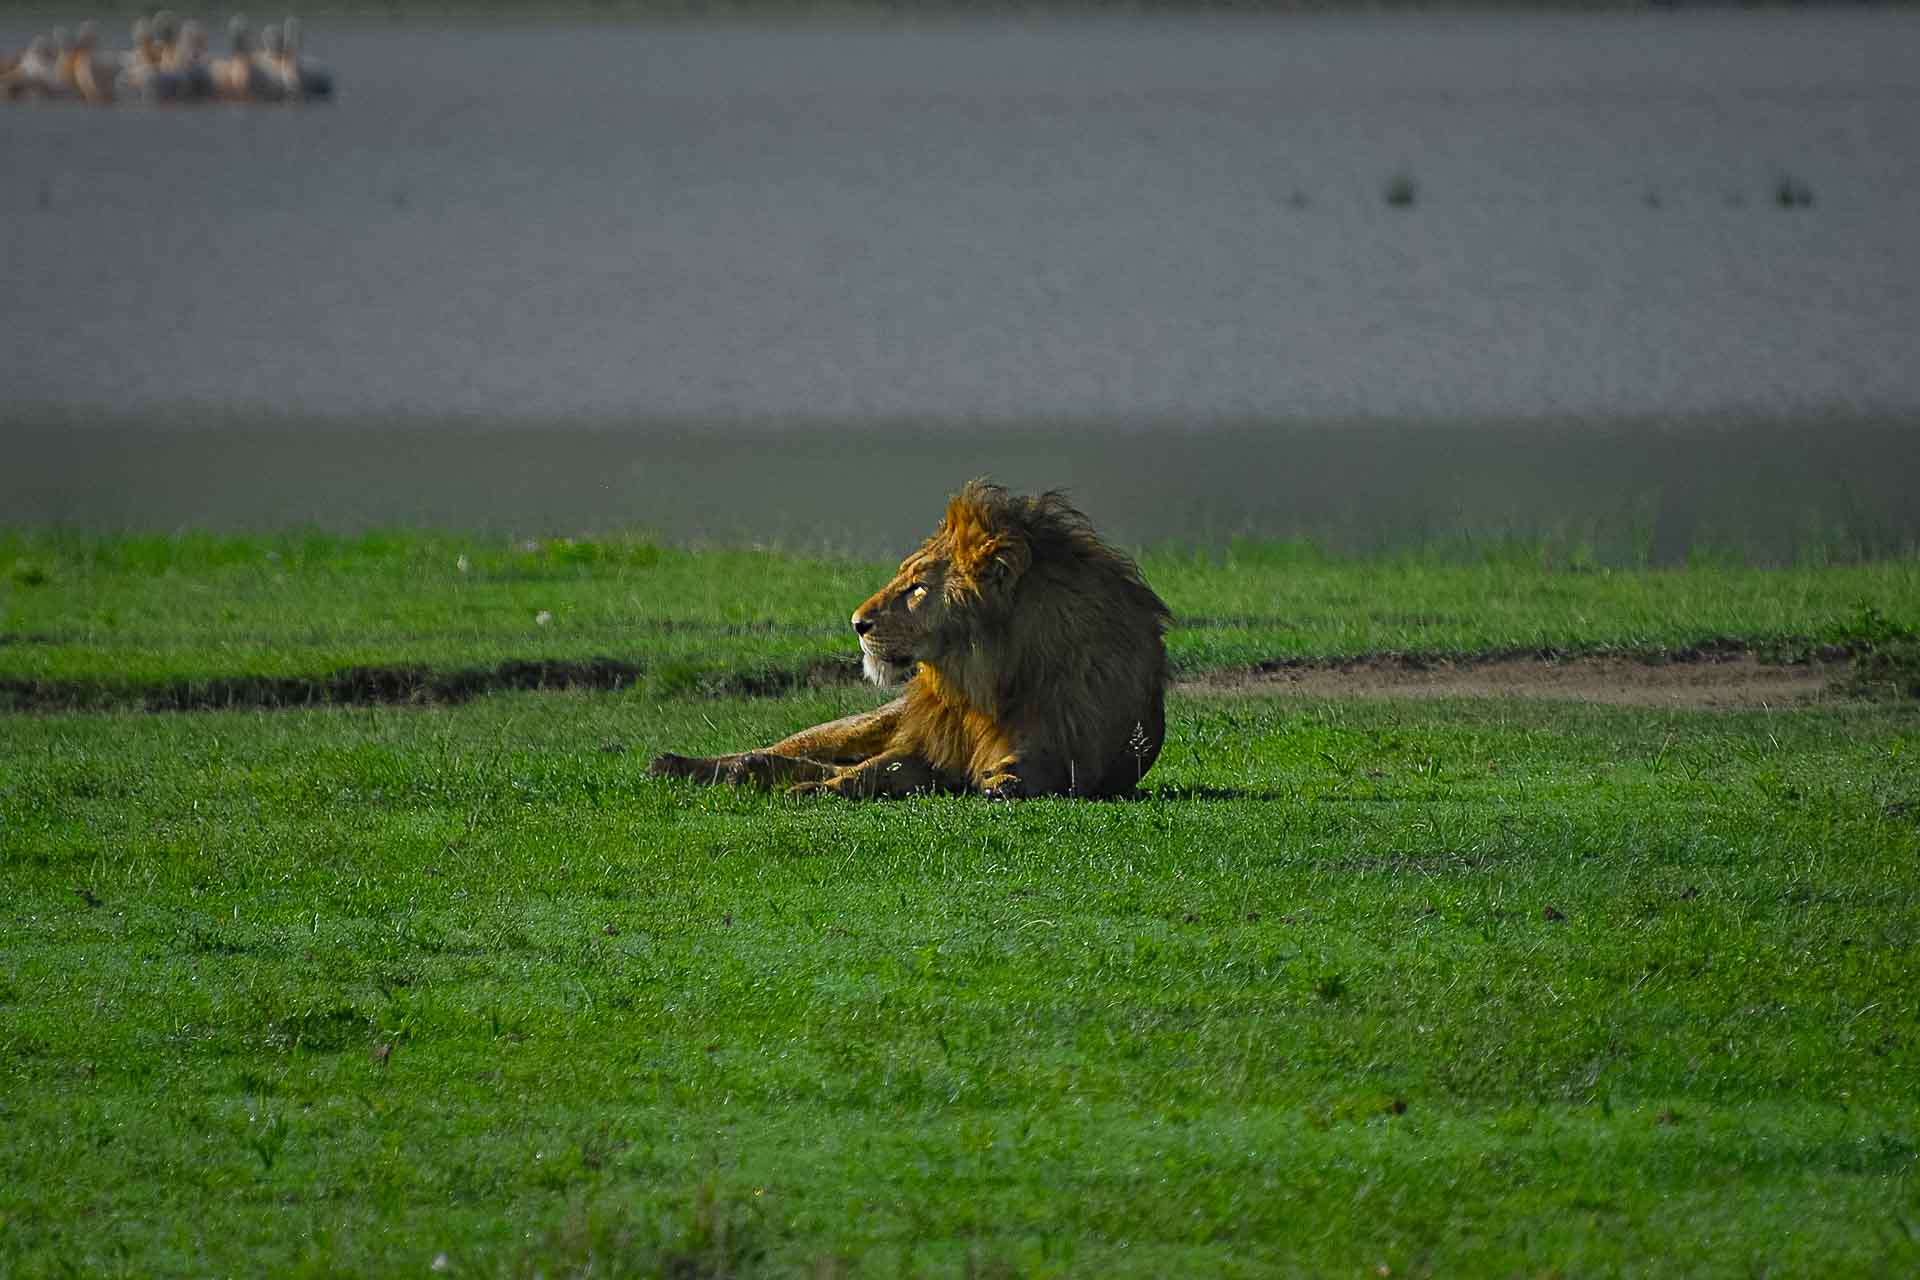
(1001,560)
(982,557)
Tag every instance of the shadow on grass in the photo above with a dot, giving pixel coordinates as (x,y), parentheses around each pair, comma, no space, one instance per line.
(416,686)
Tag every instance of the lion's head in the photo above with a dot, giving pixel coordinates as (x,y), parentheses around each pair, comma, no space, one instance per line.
(962,578)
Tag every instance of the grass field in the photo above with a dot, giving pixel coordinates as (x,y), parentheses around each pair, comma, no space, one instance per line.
(88,619)
(1356,987)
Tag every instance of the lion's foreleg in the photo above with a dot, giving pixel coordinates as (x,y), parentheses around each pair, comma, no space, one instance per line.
(1018,774)
(812,755)
(747,768)
(848,740)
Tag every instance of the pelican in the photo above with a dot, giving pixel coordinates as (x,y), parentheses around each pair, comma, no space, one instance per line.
(166,30)
(146,50)
(308,79)
(240,76)
(143,71)
(79,68)
(34,72)
(53,78)
(188,60)
(272,58)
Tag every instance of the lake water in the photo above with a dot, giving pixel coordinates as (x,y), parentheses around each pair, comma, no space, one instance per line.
(552,274)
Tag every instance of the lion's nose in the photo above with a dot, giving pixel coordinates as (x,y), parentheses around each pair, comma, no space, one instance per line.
(861,626)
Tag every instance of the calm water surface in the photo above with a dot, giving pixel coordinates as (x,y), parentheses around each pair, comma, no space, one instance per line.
(1151,223)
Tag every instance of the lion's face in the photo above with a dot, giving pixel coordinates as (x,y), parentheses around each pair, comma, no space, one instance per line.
(932,612)
(906,621)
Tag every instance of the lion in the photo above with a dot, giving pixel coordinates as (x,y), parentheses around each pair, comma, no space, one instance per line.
(1034,658)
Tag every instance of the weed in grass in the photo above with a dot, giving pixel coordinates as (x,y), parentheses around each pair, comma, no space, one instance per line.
(266,1139)
(25,573)
(1886,654)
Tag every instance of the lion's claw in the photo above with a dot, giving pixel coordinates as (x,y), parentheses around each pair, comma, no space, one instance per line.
(1002,786)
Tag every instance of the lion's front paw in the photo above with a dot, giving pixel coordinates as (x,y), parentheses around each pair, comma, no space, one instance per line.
(753,769)
(1002,786)
(668,765)
(848,784)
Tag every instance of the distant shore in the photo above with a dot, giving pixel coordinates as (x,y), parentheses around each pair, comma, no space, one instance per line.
(1645,490)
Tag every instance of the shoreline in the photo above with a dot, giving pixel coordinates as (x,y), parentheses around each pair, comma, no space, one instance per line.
(1636,491)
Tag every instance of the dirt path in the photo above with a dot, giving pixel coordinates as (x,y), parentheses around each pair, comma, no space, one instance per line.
(1707,677)
(1731,680)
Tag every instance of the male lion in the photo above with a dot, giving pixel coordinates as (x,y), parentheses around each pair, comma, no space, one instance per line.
(1034,662)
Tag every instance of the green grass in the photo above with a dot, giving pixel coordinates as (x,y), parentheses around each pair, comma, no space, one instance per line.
(1472,987)
(113,618)
(1441,988)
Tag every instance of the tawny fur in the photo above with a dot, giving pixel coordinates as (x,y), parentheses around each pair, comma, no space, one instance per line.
(1035,664)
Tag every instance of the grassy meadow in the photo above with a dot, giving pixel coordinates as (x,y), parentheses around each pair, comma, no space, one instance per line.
(1355,987)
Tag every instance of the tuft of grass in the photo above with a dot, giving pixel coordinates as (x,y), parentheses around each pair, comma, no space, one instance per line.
(714,1234)
(1886,654)
(27,574)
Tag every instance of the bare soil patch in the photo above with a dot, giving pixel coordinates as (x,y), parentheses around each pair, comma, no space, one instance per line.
(398,686)
(1716,679)
(1718,674)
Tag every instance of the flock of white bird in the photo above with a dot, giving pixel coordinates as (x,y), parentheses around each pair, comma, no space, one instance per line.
(168,62)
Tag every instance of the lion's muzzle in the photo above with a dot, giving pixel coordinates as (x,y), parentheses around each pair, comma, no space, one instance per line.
(883,670)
